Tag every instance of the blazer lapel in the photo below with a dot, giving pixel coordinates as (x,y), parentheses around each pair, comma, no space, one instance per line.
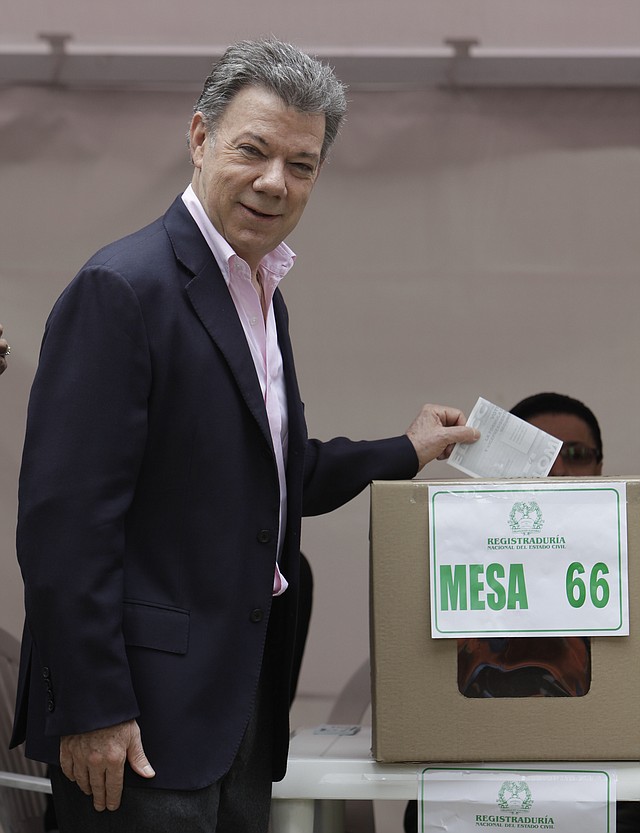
(214,307)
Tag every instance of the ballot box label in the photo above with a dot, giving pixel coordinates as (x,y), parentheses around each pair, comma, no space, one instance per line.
(520,559)
(477,799)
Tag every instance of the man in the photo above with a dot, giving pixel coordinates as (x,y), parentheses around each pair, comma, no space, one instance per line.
(4,352)
(541,666)
(165,472)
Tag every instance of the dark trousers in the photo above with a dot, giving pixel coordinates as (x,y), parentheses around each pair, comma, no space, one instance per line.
(238,803)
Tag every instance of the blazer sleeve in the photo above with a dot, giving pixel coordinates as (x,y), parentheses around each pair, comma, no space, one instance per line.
(85,436)
(338,470)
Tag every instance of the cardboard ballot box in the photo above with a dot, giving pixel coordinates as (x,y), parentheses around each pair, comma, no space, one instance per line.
(418,712)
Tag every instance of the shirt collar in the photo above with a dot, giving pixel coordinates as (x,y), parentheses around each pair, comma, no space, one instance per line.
(277,263)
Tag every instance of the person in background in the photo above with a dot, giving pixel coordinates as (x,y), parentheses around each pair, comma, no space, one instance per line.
(572,422)
(4,351)
(305,606)
(165,472)
(541,666)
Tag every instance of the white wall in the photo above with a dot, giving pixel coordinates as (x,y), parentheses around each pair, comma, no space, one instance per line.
(458,244)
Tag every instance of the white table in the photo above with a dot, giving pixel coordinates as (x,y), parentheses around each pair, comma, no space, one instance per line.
(327,769)
(334,768)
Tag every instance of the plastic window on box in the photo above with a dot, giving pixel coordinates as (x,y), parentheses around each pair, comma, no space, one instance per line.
(524,666)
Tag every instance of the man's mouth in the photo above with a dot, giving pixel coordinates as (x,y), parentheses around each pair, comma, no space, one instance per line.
(257,213)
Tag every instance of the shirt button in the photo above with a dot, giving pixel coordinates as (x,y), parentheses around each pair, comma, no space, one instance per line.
(264,536)
(253,321)
(257,615)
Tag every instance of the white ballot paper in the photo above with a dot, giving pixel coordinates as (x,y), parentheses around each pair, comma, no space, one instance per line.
(508,446)
(471,800)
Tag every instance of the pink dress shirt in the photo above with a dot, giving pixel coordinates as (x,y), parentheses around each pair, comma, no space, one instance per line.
(262,338)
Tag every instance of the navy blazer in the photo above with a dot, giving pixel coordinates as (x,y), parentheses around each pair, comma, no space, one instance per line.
(148,510)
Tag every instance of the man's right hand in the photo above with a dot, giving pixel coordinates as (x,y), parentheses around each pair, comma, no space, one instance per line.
(4,352)
(435,431)
(95,761)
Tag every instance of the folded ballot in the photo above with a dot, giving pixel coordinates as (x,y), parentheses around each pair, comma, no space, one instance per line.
(508,446)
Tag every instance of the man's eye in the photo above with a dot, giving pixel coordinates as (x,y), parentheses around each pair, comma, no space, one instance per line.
(304,168)
(249,150)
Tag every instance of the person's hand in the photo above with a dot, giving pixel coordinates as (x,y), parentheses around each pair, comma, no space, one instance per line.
(4,352)
(95,761)
(436,430)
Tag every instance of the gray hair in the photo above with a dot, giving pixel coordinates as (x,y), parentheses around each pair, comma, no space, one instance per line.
(300,81)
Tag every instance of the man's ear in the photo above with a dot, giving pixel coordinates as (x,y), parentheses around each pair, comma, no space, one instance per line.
(197,137)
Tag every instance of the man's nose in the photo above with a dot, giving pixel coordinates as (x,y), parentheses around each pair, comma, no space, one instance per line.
(272,178)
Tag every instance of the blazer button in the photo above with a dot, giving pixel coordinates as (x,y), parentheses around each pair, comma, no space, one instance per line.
(264,536)
(257,615)
(46,673)
(50,705)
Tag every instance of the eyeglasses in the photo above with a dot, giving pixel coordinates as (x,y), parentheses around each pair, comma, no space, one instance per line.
(578,454)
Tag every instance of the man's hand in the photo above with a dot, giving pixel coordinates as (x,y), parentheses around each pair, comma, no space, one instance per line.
(436,430)
(4,352)
(95,761)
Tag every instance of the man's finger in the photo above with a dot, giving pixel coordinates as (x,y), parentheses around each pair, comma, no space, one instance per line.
(464,434)
(82,779)
(138,760)
(98,791)
(114,782)
(66,765)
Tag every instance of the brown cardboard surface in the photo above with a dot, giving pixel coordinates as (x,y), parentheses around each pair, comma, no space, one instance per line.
(418,714)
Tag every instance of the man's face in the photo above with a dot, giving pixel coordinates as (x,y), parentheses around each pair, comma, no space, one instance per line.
(571,430)
(255,177)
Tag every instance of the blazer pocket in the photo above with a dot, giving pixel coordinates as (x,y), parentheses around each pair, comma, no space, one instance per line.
(155,626)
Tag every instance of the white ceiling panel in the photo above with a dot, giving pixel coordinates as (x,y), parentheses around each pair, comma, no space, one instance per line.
(331,24)
(405,43)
